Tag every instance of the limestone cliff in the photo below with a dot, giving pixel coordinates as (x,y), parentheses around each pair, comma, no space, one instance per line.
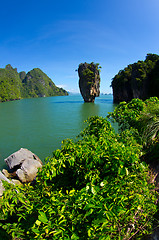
(89,81)
(36,83)
(137,80)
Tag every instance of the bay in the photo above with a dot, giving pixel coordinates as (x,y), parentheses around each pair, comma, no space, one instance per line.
(40,124)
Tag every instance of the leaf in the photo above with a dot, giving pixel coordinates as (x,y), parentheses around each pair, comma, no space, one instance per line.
(36,231)
(42,217)
(127,172)
(38,222)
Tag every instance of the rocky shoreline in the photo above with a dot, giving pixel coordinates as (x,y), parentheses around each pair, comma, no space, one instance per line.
(22,165)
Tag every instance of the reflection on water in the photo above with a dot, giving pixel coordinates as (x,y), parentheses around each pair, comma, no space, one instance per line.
(41,124)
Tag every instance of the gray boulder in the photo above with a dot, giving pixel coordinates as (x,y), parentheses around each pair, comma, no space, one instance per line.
(28,170)
(26,164)
(17,158)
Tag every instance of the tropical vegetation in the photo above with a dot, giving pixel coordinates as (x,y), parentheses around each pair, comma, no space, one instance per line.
(36,83)
(97,187)
(137,80)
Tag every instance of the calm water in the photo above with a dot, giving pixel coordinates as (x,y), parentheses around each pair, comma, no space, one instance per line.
(40,124)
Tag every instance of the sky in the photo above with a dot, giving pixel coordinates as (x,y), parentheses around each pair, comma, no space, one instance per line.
(56,36)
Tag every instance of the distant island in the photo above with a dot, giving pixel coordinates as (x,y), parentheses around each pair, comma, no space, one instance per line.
(35,83)
(89,80)
(137,80)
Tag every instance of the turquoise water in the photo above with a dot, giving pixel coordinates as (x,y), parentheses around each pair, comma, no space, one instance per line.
(40,124)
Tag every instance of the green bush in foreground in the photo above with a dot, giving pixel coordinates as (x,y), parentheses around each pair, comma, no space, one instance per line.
(94,188)
(142,117)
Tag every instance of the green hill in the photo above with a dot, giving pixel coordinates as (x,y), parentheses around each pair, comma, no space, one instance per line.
(137,80)
(35,83)
(10,84)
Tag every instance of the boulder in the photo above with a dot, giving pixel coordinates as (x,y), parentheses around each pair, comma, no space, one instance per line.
(28,170)
(89,81)
(25,163)
(3,177)
(16,159)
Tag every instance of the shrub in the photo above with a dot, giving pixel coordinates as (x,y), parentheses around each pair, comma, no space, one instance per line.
(93,188)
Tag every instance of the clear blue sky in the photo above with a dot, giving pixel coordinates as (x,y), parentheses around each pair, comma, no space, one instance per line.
(57,36)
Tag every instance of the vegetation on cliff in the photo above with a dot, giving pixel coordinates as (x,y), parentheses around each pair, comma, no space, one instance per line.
(137,80)
(36,83)
(89,80)
(96,187)
(10,84)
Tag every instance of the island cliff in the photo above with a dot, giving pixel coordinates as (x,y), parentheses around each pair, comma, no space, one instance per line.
(89,81)
(137,80)
(35,83)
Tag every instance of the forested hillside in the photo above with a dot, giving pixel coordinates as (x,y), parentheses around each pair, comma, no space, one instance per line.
(137,80)
(35,83)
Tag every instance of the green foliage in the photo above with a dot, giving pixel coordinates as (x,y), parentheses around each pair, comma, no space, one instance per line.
(137,114)
(143,117)
(10,84)
(14,85)
(89,72)
(93,188)
(138,79)
(37,84)
(128,114)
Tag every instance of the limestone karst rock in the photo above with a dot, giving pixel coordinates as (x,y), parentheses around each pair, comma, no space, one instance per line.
(137,80)
(35,83)
(89,81)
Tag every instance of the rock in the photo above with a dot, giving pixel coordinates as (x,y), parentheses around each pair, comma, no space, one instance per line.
(28,170)
(7,174)
(4,178)
(137,80)
(2,189)
(17,158)
(16,182)
(89,81)
(24,164)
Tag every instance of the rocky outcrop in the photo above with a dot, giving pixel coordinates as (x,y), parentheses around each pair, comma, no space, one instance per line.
(89,81)
(137,80)
(24,165)
(125,88)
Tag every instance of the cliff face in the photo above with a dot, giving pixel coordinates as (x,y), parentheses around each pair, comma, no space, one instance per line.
(137,80)
(10,84)
(36,83)
(89,81)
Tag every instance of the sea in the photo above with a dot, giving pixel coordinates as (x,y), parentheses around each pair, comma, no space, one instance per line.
(41,124)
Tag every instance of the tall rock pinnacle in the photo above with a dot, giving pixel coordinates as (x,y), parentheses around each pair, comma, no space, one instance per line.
(89,81)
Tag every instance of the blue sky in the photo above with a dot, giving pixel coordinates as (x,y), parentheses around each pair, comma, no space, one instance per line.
(57,36)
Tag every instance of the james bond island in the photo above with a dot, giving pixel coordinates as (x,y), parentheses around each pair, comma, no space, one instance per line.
(89,81)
